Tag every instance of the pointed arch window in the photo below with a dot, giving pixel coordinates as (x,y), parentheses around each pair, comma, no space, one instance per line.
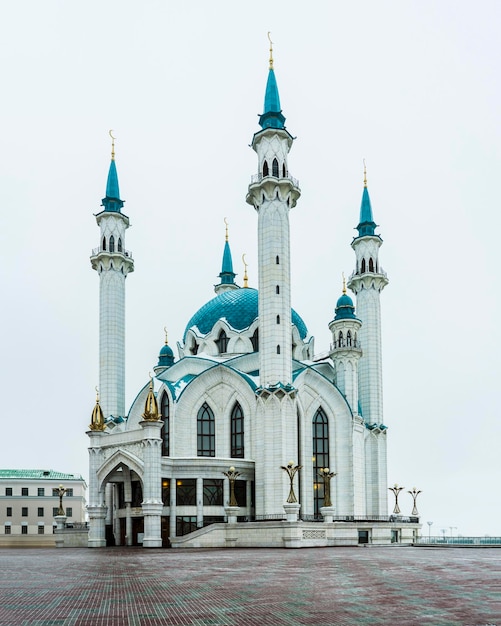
(278,349)
(348,338)
(222,342)
(164,433)
(206,438)
(112,243)
(278,319)
(237,432)
(120,244)
(363,266)
(277,289)
(340,340)
(274,168)
(320,456)
(283,171)
(255,340)
(277,260)
(371,265)
(266,169)
(104,243)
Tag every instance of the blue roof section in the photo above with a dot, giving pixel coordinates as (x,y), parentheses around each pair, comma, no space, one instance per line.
(367,225)
(345,309)
(272,115)
(112,200)
(239,307)
(31,474)
(227,274)
(165,356)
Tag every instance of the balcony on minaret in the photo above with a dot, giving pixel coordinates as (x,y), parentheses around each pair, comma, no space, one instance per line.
(96,251)
(346,343)
(257,178)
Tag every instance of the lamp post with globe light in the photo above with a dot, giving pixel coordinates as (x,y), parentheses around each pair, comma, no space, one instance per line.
(429,530)
(396,490)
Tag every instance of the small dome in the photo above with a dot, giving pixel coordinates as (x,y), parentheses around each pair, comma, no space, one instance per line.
(345,308)
(239,308)
(165,356)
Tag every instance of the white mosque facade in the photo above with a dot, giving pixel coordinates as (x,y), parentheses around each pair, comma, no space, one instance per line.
(209,450)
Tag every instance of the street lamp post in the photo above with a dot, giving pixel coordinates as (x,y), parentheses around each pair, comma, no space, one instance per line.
(291,470)
(396,490)
(326,475)
(60,492)
(232,475)
(429,530)
(414,493)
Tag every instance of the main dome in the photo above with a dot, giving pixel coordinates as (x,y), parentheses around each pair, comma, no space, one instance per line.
(239,307)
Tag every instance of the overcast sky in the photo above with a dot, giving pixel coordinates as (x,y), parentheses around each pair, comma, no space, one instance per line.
(412,87)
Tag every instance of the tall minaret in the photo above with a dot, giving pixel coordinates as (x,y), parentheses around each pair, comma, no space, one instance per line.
(273,193)
(112,262)
(367,282)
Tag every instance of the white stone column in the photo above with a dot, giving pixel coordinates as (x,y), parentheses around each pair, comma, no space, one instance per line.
(152,484)
(200,502)
(172,519)
(128,524)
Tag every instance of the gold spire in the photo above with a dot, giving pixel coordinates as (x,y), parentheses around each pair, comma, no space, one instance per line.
(365,175)
(271,51)
(246,279)
(112,146)
(151,413)
(344,284)
(97,419)
(226,226)
(166,337)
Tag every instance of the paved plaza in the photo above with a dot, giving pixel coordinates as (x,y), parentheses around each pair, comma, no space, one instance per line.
(136,587)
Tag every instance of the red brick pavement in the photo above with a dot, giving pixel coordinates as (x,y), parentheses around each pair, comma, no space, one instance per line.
(347,586)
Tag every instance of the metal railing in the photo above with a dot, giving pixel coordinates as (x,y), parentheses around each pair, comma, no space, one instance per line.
(460,541)
(96,251)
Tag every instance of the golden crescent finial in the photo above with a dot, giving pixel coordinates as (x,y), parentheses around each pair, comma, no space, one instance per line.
(271,50)
(344,284)
(226,224)
(365,174)
(166,337)
(246,279)
(112,144)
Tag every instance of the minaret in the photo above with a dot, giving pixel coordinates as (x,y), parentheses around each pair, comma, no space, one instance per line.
(227,274)
(367,282)
(345,349)
(273,192)
(112,262)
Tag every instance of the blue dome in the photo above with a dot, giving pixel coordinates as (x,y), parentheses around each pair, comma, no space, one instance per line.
(165,356)
(239,307)
(345,308)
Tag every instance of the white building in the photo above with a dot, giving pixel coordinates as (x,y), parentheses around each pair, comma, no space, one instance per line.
(29,502)
(246,392)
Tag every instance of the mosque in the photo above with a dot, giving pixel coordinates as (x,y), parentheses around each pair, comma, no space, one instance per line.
(247,438)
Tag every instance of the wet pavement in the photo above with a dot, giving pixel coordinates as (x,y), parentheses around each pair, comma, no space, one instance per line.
(266,587)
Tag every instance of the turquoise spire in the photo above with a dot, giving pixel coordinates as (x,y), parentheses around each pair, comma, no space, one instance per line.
(272,114)
(367,226)
(112,200)
(227,274)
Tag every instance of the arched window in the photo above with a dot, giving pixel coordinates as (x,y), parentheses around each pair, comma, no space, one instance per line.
(340,341)
(278,349)
(255,341)
(278,319)
(112,243)
(371,265)
(104,243)
(320,456)
(283,171)
(237,432)
(194,347)
(206,438)
(164,433)
(348,338)
(222,342)
(266,170)
(363,266)
(277,289)
(274,168)
(120,244)
(277,260)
